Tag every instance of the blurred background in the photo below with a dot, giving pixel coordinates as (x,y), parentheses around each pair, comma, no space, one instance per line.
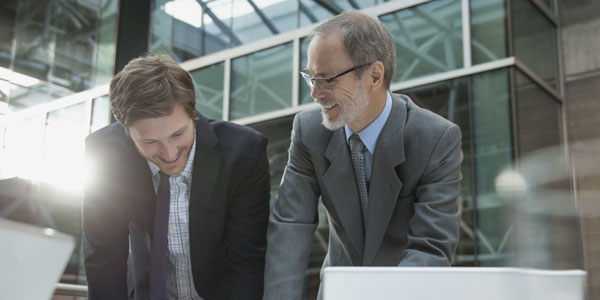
(520,77)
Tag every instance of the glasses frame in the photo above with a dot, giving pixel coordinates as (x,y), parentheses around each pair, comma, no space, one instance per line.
(319,81)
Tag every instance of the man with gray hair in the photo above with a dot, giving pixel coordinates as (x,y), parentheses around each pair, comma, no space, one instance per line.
(387,171)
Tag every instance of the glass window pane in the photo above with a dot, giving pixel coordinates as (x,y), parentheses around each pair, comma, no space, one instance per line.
(161,28)
(249,26)
(450,99)
(217,26)
(282,13)
(304,88)
(208,83)
(246,23)
(428,39)
(550,4)
(67,46)
(488,31)
(261,82)
(107,37)
(100,113)
(548,235)
(22,154)
(365,3)
(312,12)
(63,149)
(493,154)
(538,115)
(532,32)
(8,19)
(343,5)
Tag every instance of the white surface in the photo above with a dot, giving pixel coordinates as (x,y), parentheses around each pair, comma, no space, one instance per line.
(32,259)
(384,283)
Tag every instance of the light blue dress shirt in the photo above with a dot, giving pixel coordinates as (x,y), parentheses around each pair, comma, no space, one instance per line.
(370,134)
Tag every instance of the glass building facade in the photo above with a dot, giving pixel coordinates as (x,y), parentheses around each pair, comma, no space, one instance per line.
(475,62)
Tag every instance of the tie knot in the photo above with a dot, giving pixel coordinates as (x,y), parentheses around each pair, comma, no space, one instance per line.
(164,178)
(356,143)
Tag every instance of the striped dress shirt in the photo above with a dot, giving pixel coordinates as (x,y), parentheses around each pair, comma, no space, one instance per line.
(180,283)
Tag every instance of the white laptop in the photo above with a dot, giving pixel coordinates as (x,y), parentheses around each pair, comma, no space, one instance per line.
(32,259)
(383,283)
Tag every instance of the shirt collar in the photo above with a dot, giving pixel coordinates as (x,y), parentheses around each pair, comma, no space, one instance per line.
(370,134)
(187,171)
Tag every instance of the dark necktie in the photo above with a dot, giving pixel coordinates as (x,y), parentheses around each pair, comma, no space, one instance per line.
(358,161)
(158,261)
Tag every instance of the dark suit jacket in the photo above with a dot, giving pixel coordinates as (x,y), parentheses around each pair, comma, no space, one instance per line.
(414,210)
(228,213)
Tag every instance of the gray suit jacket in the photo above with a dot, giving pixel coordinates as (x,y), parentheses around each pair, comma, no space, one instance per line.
(414,211)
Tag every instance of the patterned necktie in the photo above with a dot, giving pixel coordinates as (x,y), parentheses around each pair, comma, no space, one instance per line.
(158,261)
(358,160)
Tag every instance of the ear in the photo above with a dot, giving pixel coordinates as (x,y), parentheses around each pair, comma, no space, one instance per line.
(376,72)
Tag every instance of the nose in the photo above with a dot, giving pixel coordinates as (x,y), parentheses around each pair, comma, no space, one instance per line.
(316,92)
(169,152)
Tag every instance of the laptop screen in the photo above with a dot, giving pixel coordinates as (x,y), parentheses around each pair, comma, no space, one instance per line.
(32,259)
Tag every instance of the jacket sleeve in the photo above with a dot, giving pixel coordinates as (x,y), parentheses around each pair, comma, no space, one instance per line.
(105,225)
(292,224)
(433,229)
(247,224)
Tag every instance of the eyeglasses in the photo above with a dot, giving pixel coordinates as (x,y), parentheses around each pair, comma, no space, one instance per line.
(326,84)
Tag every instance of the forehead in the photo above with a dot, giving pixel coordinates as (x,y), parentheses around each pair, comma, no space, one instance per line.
(160,127)
(327,55)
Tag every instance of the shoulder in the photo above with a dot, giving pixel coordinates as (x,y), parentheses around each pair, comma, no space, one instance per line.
(111,137)
(420,120)
(231,134)
(307,124)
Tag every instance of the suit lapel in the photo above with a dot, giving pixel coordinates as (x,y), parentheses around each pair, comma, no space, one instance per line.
(341,186)
(385,184)
(206,169)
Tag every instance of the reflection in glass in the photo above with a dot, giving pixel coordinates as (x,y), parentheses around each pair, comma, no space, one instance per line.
(249,26)
(161,29)
(257,19)
(428,39)
(261,82)
(100,113)
(312,12)
(551,5)
(63,150)
(107,36)
(67,45)
(217,26)
(208,84)
(304,96)
(282,13)
(488,31)
(493,154)
(57,40)
(532,32)
(8,17)
(548,233)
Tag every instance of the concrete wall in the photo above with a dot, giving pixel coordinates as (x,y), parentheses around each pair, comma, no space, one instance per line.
(580,34)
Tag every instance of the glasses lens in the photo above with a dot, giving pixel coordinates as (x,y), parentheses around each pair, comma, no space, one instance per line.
(307,79)
(323,84)
(320,83)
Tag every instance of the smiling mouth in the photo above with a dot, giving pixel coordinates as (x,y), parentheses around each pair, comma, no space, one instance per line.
(174,160)
(328,107)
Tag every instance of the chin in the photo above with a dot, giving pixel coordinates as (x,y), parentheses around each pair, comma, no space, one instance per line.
(332,124)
